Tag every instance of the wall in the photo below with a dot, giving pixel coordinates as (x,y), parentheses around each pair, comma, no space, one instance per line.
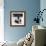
(30,6)
(43,6)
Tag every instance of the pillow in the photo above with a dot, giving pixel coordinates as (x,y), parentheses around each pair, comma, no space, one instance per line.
(28,40)
(20,42)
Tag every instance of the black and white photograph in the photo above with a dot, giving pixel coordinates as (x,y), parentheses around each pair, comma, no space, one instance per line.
(17,18)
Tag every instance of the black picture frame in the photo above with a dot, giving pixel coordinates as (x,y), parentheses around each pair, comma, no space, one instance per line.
(17,18)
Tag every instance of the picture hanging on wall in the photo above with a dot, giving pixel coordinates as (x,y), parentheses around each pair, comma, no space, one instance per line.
(17,18)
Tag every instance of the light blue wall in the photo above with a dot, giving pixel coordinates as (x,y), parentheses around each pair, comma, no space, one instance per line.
(30,6)
(43,6)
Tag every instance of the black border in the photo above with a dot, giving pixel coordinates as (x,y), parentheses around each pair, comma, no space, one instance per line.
(18,25)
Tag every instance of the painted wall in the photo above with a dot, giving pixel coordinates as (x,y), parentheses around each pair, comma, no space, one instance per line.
(43,6)
(30,6)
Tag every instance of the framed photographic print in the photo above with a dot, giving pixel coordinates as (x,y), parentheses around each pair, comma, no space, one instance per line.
(17,18)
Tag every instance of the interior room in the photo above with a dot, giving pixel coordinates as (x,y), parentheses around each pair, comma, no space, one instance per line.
(22,22)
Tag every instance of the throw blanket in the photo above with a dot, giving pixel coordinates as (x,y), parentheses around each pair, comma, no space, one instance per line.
(26,41)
